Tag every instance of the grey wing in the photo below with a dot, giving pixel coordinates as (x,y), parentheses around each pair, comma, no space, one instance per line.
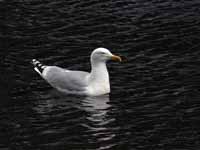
(66,79)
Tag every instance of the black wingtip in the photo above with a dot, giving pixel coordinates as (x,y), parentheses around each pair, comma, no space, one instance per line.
(38,65)
(32,61)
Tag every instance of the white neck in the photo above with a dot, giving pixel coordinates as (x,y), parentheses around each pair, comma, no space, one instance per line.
(99,79)
(99,72)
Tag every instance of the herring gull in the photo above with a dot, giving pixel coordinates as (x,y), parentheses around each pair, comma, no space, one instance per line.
(80,82)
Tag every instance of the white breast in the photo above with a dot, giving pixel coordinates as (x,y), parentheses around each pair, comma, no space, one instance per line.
(97,88)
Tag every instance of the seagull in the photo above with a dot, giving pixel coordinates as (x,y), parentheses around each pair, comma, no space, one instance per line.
(93,83)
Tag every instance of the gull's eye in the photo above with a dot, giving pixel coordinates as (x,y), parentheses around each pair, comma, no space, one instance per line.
(102,53)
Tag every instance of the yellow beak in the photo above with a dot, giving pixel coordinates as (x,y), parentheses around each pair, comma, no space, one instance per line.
(116,58)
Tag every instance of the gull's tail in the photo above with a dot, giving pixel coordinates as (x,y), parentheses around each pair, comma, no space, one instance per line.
(38,66)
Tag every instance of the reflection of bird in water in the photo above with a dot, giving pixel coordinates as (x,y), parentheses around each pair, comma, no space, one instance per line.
(79,82)
(96,104)
(97,108)
(89,113)
(97,118)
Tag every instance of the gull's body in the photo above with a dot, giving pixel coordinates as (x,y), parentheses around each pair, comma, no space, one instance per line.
(79,82)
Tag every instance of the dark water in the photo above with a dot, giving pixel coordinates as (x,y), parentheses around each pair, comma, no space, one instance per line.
(155,98)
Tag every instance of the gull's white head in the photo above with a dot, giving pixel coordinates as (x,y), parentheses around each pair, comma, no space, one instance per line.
(103,55)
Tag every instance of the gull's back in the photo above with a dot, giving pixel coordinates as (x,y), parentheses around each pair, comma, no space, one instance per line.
(66,80)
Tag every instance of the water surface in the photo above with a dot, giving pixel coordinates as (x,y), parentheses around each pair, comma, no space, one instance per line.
(154,101)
